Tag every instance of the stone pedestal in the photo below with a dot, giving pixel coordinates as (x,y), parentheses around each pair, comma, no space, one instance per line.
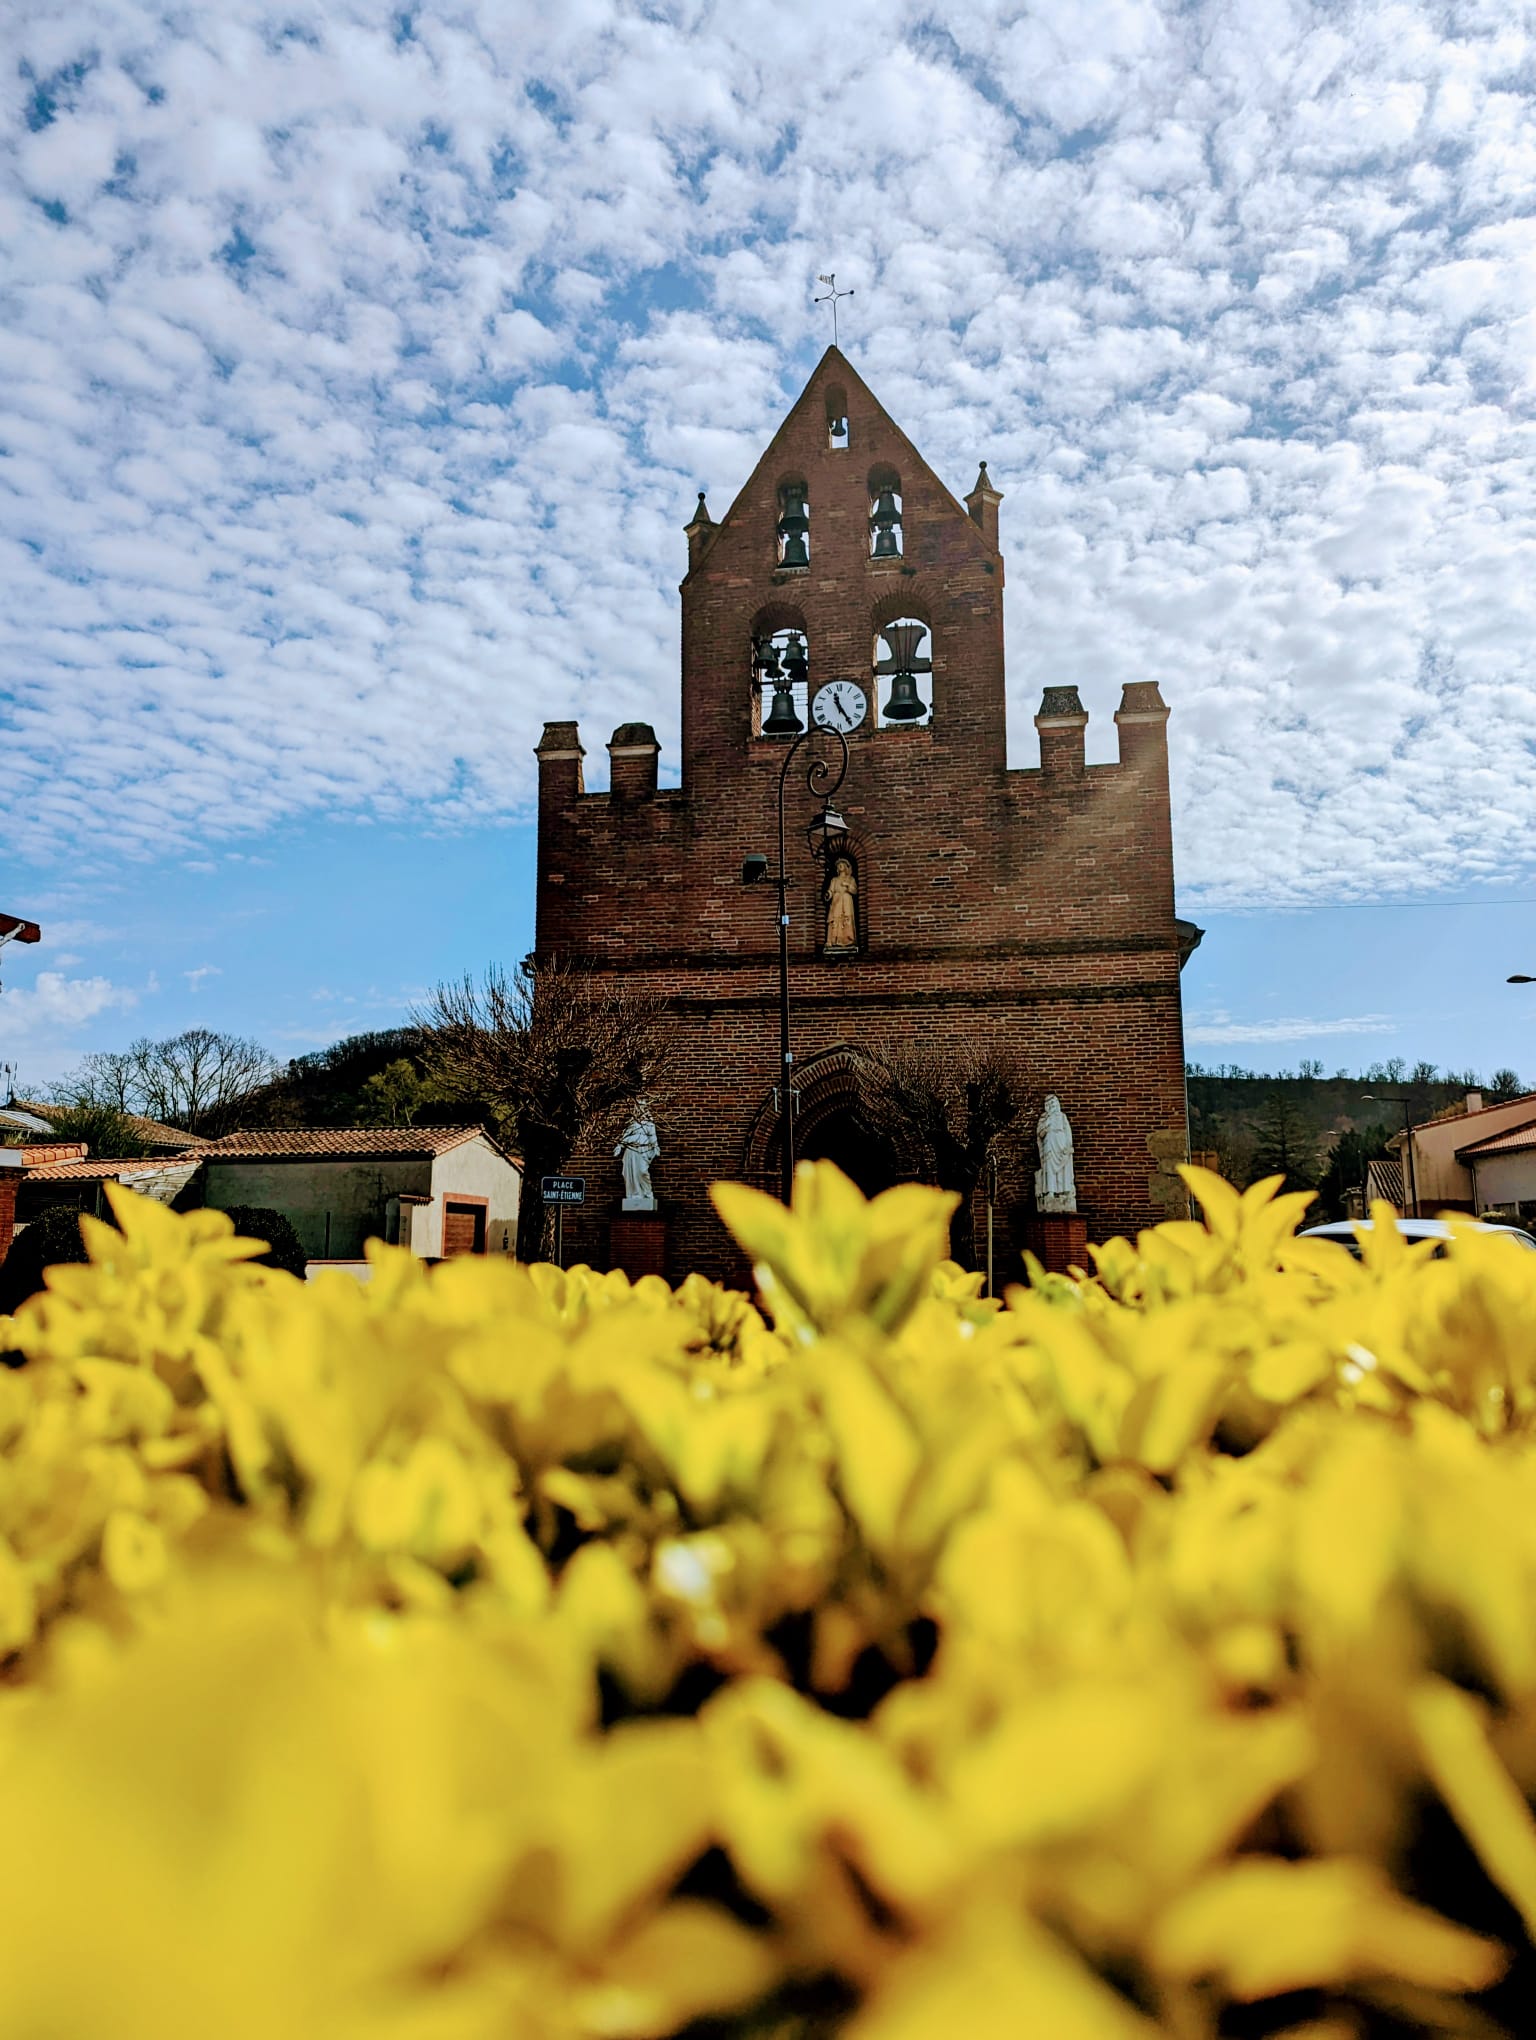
(1058,1240)
(637,1243)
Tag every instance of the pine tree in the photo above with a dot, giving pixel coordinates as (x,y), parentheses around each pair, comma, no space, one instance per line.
(1284,1147)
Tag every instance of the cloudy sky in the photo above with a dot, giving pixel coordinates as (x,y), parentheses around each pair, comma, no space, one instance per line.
(358,367)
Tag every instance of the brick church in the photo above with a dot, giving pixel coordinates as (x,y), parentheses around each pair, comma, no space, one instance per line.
(1028,909)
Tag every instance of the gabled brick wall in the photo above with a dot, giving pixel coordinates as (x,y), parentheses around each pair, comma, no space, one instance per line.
(1029,908)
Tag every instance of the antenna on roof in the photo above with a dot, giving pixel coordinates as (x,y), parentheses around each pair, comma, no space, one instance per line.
(831,298)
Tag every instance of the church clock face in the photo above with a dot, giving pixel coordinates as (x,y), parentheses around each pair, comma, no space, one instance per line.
(840,705)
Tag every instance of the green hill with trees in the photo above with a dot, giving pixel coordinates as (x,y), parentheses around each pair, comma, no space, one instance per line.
(1319,1131)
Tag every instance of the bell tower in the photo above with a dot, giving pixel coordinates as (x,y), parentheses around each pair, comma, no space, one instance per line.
(844,559)
(963,905)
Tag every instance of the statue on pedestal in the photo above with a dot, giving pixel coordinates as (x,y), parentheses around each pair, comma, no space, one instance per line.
(1055,1185)
(638,1147)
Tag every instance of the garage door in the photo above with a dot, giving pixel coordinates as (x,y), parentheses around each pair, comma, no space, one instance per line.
(463,1229)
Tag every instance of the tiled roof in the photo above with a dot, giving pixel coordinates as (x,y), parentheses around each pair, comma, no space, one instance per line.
(155,1131)
(23,1118)
(120,1168)
(340,1143)
(1384,1179)
(1508,1142)
(158,1134)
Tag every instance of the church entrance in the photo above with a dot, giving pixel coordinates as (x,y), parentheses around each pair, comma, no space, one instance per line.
(845,1137)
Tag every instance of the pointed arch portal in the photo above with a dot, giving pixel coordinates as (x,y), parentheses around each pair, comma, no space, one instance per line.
(831,1124)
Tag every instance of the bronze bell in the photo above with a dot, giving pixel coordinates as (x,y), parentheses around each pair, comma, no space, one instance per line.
(794,527)
(797,665)
(905,704)
(883,521)
(765,657)
(782,720)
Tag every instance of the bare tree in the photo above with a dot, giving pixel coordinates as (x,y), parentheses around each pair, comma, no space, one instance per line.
(198,1079)
(106,1078)
(558,1057)
(950,1109)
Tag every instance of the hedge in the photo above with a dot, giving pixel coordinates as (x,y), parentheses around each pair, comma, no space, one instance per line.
(496,1651)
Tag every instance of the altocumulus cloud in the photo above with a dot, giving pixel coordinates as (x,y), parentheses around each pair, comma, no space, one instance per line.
(357,372)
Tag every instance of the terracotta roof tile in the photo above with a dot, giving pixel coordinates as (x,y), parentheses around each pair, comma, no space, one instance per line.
(1508,1142)
(121,1168)
(339,1143)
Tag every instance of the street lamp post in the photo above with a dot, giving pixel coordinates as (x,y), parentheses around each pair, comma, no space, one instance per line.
(824,827)
(1397,1098)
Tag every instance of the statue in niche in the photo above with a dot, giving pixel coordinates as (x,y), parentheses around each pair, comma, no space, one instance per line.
(841,893)
(1055,1186)
(638,1147)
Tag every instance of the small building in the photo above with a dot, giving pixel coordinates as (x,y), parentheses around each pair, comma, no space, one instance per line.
(1502,1167)
(64,1174)
(1437,1168)
(439,1190)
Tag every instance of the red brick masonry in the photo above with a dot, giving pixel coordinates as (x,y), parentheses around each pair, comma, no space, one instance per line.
(637,1243)
(1030,908)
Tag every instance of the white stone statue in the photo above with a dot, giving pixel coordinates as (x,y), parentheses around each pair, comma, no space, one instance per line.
(1055,1186)
(638,1147)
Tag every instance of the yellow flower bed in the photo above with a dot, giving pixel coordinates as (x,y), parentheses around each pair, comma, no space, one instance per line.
(497,1652)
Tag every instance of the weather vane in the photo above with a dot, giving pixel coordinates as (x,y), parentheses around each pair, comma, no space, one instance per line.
(831,298)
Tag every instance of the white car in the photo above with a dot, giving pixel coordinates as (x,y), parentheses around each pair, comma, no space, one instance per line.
(1346,1231)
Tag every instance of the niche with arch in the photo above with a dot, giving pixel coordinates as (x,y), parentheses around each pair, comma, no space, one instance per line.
(842,921)
(903,673)
(792,533)
(885,524)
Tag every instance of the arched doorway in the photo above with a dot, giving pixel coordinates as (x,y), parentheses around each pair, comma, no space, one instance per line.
(844,1136)
(830,1125)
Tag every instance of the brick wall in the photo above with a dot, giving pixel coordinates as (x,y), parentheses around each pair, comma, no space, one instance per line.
(1032,909)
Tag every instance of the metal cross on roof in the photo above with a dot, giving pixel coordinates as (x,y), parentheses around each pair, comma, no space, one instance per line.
(830,298)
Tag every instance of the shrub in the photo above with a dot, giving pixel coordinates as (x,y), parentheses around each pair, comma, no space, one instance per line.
(500,1651)
(51,1238)
(108,1133)
(260,1222)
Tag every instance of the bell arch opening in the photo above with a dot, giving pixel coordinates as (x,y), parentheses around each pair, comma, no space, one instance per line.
(885,519)
(903,657)
(780,667)
(792,531)
(837,418)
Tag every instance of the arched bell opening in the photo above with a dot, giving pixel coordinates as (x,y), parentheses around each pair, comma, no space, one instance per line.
(837,418)
(885,522)
(780,656)
(903,673)
(793,529)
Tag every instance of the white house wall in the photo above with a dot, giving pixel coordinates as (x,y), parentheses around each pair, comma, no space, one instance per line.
(1507,1179)
(353,1194)
(472,1170)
